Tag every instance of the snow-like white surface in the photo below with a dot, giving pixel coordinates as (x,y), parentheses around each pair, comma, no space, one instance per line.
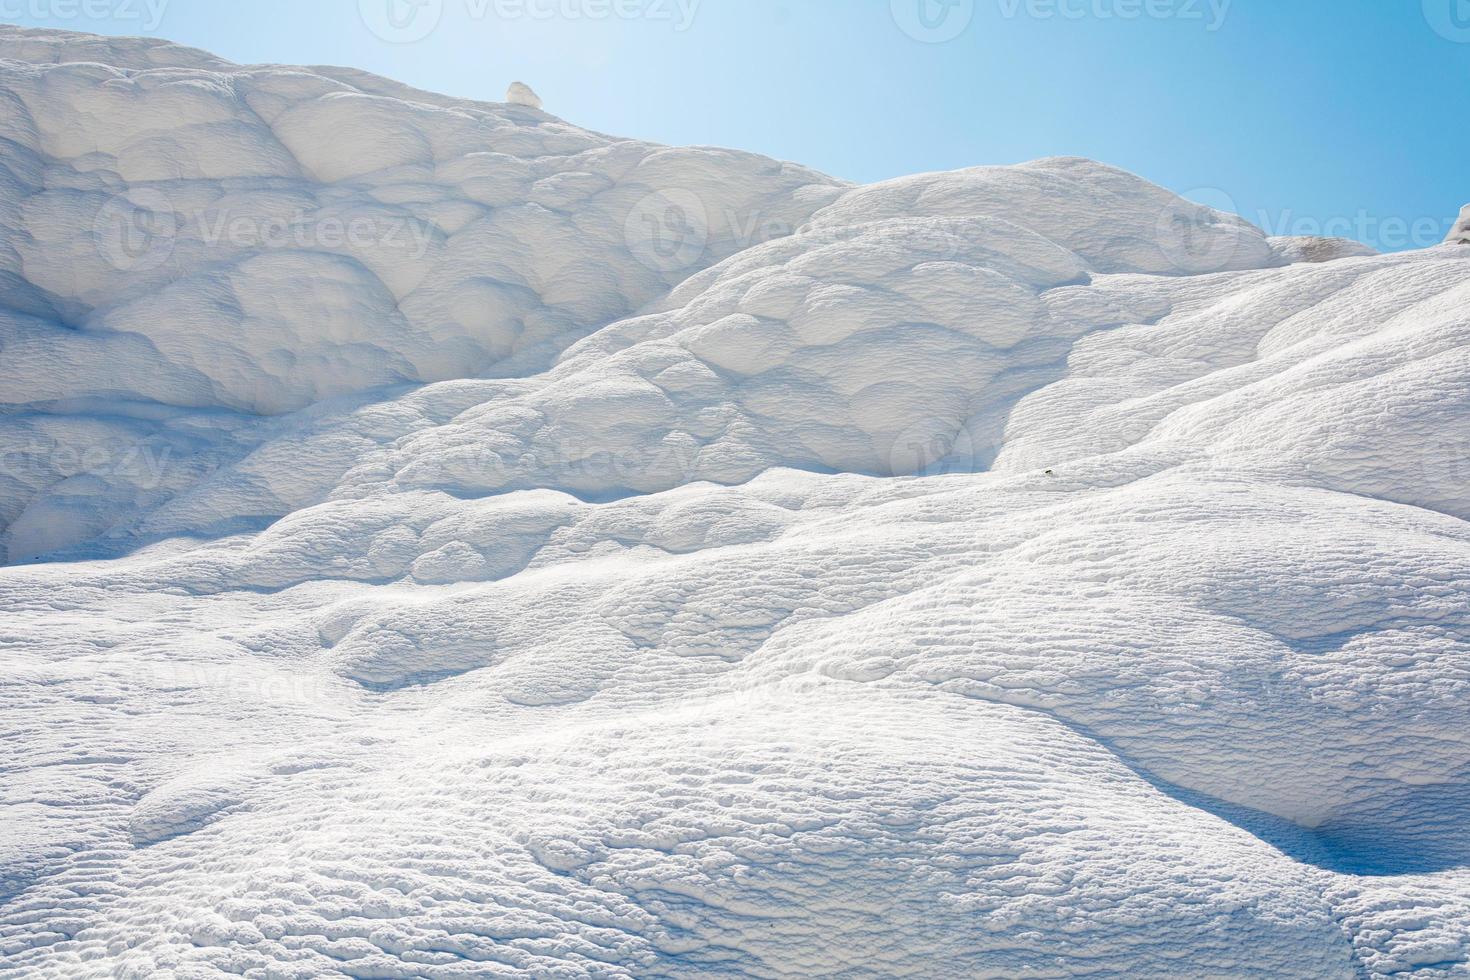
(1460,234)
(629,561)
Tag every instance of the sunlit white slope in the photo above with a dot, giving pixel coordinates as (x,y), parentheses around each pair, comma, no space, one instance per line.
(189,242)
(1013,572)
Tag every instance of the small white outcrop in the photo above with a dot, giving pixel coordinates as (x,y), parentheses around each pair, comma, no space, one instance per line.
(520,93)
(1460,234)
(1293,249)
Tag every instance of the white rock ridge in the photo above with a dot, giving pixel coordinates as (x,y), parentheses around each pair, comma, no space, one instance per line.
(446,542)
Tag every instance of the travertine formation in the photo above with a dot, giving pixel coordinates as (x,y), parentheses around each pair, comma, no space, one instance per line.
(445,542)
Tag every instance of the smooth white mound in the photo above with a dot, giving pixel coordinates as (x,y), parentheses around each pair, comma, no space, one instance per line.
(677,563)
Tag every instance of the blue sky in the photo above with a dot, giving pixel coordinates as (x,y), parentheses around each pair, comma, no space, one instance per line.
(1305,116)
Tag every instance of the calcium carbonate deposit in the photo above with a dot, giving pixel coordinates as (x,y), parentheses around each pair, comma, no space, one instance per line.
(441,541)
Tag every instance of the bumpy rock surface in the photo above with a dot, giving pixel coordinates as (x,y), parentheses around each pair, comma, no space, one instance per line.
(445,542)
(1460,234)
